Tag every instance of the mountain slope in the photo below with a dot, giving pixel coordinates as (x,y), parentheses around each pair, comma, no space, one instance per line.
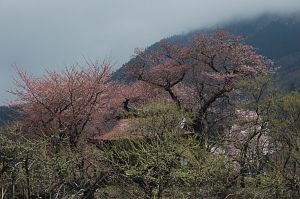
(8,114)
(276,37)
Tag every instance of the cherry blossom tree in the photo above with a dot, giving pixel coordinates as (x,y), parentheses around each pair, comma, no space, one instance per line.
(67,103)
(163,68)
(137,94)
(221,61)
(202,75)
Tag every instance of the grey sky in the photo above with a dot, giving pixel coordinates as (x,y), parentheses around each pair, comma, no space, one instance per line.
(39,34)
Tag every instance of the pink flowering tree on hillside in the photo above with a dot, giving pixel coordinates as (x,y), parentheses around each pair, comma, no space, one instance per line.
(67,103)
(221,61)
(202,76)
(163,69)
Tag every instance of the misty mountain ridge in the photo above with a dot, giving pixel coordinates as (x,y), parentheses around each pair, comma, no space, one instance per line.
(274,36)
(8,114)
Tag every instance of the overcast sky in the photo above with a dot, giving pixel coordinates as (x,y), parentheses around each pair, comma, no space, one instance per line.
(39,34)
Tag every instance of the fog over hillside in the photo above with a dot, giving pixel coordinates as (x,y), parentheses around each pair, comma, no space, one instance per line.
(36,35)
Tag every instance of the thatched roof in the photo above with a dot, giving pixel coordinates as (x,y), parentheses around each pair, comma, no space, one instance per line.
(118,131)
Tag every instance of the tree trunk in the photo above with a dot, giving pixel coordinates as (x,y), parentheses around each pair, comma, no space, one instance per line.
(26,165)
(174,97)
(13,181)
(148,194)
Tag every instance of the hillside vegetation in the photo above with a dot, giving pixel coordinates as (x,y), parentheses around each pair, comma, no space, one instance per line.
(196,120)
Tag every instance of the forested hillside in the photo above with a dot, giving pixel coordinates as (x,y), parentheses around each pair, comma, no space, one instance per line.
(8,114)
(193,116)
(200,120)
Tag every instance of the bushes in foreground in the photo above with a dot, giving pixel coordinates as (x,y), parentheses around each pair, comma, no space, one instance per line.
(163,163)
